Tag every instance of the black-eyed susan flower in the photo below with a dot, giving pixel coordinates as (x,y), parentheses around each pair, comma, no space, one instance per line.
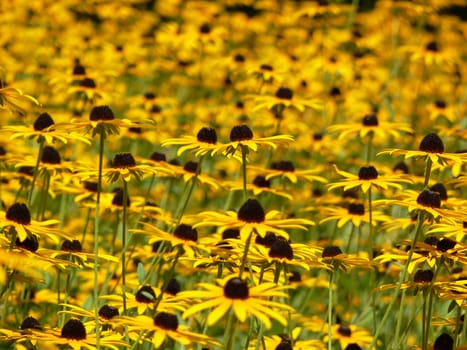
(284,98)
(259,185)
(354,213)
(286,169)
(235,293)
(368,177)
(242,138)
(162,327)
(432,147)
(13,100)
(350,334)
(75,335)
(252,218)
(204,142)
(333,256)
(370,124)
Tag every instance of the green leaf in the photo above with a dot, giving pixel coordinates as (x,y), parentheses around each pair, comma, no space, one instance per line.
(140,273)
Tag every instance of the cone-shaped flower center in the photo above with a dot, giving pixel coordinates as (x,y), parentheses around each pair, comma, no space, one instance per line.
(205,28)
(268,239)
(173,287)
(241,133)
(191,167)
(284,93)
(260,181)
(370,120)
(186,232)
(50,156)
(251,211)
(431,240)
(230,233)
(149,95)
(367,172)
(236,288)
(281,248)
(166,321)
(356,209)
(88,83)
(26,170)
(118,198)
(284,345)
(30,323)
(207,135)
(295,277)
(445,244)
(440,104)
(123,160)
(108,312)
(19,213)
(90,186)
(402,167)
(31,243)
(317,136)
(432,143)
(78,68)
(43,121)
(101,113)
(266,67)
(239,58)
(158,157)
(423,276)
(444,342)
(432,46)
(72,246)
(145,295)
(335,92)
(283,165)
(331,251)
(344,330)
(439,187)
(353,346)
(74,329)
(429,199)
(2,151)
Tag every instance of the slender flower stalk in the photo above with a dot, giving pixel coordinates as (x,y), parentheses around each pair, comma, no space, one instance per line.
(41,141)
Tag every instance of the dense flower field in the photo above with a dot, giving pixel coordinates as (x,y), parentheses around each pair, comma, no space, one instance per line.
(235,174)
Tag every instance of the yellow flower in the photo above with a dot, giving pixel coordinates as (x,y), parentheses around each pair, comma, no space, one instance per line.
(350,334)
(354,213)
(285,169)
(234,293)
(12,100)
(284,98)
(205,142)
(251,217)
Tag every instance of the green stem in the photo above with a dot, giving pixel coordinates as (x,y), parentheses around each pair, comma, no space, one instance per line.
(370,218)
(41,141)
(244,154)
(330,296)
(96,238)
(181,211)
(369,147)
(428,165)
(170,275)
(427,324)
(245,254)
(229,335)
(124,242)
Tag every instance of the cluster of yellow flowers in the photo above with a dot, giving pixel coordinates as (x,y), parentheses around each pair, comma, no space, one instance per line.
(233,174)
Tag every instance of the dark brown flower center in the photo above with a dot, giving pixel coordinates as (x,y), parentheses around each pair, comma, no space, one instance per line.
(335,92)
(19,213)
(370,119)
(356,209)
(79,69)
(241,133)
(317,136)
(118,198)
(441,190)
(2,151)
(236,288)
(173,287)
(432,143)
(431,240)
(281,248)
(429,199)
(268,239)
(344,330)
(166,321)
(432,46)
(43,121)
(283,165)
(444,342)
(191,167)
(266,67)
(445,244)
(205,28)
(284,345)
(402,167)
(31,243)
(367,172)
(149,95)
(50,156)
(156,109)
(331,251)
(284,93)
(30,323)
(90,186)
(295,276)
(440,104)
(239,58)
(108,312)
(158,157)
(260,181)
(207,135)
(123,160)
(231,233)
(423,276)
(186,232)
(145,295)
(88,83)
(26,170)
(251,211)
(353,346)
(71,246)
(74,329)
(101,113)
